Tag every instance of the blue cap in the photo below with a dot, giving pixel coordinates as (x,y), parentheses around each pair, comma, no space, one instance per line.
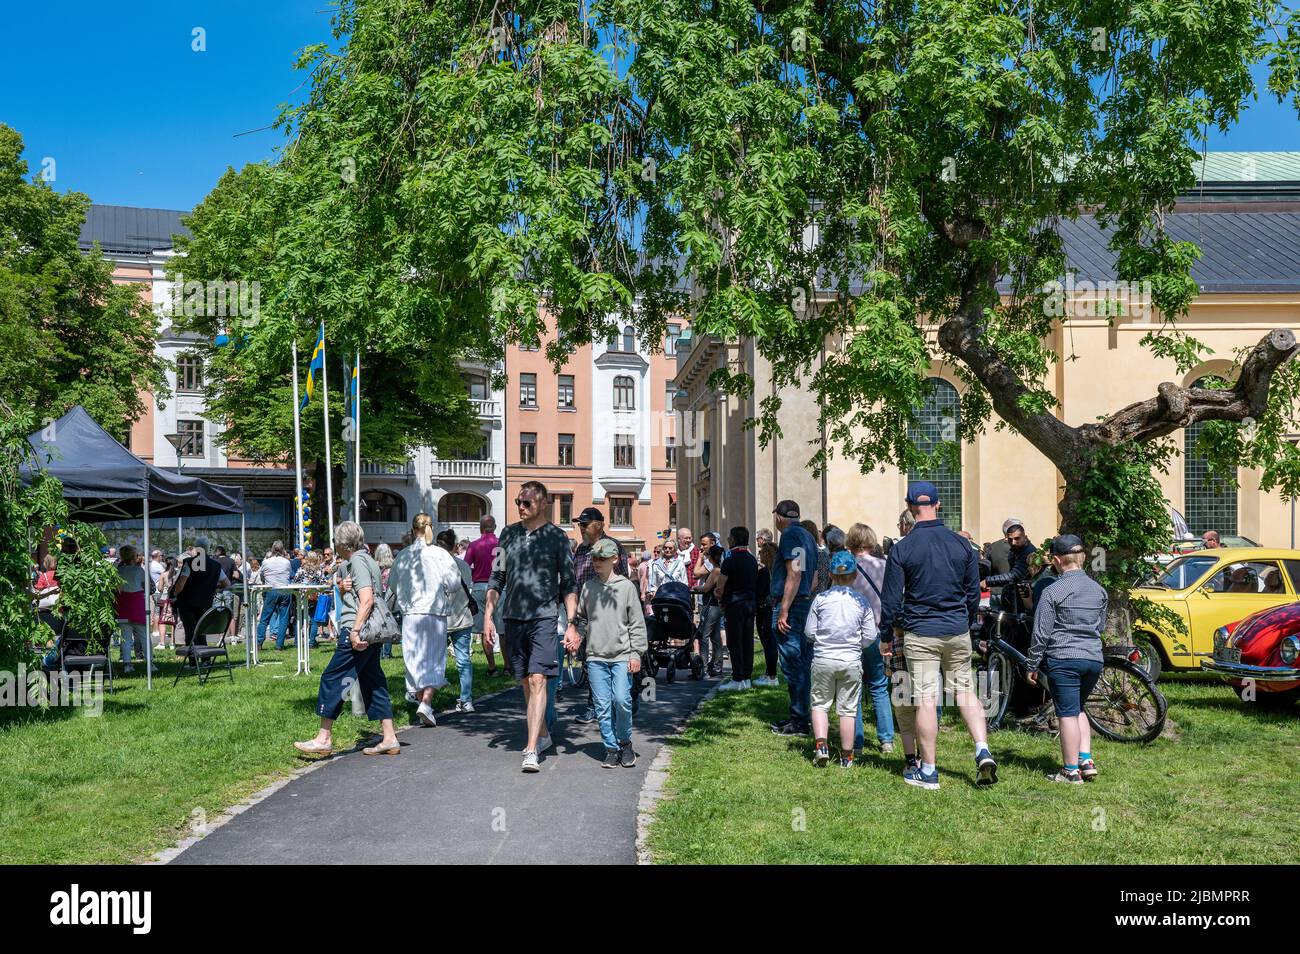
(842,562)
(922,493)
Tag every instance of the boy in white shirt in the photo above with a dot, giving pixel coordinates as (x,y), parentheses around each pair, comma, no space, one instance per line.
(840,625)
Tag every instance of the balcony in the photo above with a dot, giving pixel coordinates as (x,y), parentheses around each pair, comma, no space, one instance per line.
(485,409)
(405,469)
(466,470)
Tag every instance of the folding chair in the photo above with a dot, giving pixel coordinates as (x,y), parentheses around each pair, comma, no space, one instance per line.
(203,659)
(74,651)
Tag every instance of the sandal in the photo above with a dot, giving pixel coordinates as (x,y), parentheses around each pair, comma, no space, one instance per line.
(394,749)
(314,748)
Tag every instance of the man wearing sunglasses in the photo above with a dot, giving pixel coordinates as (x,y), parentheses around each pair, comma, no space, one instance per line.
(532,574)
(1019,550)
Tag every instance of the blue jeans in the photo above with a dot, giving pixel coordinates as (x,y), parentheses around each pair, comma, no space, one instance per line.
(795,654)
(462,643)
(876,680)
(611,690)
(275,610)
(345,667)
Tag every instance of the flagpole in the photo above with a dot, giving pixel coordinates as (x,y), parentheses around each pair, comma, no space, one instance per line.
(297,451)
(356,437)
(325,410)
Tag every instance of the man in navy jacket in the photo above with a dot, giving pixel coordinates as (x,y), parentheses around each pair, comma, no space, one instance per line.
(931,598)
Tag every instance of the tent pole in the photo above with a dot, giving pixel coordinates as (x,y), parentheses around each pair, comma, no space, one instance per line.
(248,634)
(148,602)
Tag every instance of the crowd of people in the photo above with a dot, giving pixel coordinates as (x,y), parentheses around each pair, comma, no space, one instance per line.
(848,619)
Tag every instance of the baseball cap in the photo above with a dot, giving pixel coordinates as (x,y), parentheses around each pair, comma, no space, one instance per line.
(843,562)
(1010,522)
(922,492)
(605,548)
(1066,543)
(788,509)
(590,514)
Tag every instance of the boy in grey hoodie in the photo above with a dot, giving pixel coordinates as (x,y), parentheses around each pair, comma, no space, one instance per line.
(612,620)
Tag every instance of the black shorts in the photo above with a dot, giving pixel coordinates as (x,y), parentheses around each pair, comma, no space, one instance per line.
(532,646)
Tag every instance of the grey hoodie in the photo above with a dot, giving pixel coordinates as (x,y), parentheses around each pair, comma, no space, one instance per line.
(611,617)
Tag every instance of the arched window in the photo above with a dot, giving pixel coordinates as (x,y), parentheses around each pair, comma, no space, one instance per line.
(629,339)
(461,508)
(383,506)
(624,393)
(938,420)
(1209,503)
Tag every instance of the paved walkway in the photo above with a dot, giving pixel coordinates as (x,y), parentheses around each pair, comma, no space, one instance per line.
(456,795)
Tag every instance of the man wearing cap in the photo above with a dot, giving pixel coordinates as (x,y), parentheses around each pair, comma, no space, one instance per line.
(792,579)
(591,524)
(931,598)
(1018,554)
(1068,622)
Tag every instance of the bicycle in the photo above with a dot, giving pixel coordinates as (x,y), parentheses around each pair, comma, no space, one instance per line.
(1124,706)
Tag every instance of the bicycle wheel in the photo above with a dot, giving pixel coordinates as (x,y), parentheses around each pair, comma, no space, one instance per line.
(994,682)
(1125,705)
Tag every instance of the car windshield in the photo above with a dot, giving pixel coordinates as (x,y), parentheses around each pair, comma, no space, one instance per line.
(1182,573)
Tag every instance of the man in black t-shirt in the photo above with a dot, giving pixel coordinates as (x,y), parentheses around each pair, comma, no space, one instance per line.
(737,593)
(200,578)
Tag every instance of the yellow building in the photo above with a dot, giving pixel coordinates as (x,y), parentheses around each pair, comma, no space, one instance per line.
(1245,218)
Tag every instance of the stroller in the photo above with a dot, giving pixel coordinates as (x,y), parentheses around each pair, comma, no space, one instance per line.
(670,633)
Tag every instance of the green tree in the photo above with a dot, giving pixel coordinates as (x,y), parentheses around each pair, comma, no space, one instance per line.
(70,335)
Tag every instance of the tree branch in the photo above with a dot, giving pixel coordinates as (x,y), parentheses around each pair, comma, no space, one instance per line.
(1174,407)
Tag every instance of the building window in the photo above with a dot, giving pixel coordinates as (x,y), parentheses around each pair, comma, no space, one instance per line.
(461,508)
(528,447)
(1209,501)
(524,346)
(624,450)
(566,392)
(670,346)
(189,373)
(484,451)
(938,421)
(528,390)
(566,450)
(564,502)
(629,339)
(624,393)
(670,453)
(380,505)
(620,512)
(477,386)
(191,433)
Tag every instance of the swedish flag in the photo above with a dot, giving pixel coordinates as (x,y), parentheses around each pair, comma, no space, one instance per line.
(317,365)
(354,395)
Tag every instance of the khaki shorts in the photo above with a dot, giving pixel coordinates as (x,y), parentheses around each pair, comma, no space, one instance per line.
(838,682)
(926,655)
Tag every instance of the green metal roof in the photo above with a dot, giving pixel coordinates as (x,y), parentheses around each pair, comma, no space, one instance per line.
(1248,167)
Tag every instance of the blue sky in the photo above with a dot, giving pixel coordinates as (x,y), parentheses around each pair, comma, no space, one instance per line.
(132,115)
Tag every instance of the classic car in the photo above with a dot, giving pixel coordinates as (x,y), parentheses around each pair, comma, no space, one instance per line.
(1209,589)
(1261,654)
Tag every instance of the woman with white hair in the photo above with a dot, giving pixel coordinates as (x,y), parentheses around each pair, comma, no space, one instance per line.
(358,579)
(423,580)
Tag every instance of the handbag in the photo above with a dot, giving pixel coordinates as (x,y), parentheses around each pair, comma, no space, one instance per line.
(473,603)
(380,626)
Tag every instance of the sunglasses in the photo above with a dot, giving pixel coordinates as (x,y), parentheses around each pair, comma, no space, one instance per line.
(524,501)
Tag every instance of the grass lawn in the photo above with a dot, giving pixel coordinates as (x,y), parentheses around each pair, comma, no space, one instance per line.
(121,786)
(737,794)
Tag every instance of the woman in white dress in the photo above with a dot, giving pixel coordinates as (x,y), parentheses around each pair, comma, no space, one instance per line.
(423,580)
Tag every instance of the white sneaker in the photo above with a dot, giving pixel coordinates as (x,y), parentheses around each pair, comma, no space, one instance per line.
(464,706)
(425,712)
(730,686)
(543,744)
(747,684)
(412,698)
(530,762)
(765,681)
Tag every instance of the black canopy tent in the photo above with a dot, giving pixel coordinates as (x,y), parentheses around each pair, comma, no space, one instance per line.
(102,480)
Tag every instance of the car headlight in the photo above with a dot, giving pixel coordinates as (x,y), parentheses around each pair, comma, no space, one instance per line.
(1221,638)
(1290,649)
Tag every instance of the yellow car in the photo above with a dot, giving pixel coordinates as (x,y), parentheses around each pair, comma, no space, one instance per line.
(1211,588)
